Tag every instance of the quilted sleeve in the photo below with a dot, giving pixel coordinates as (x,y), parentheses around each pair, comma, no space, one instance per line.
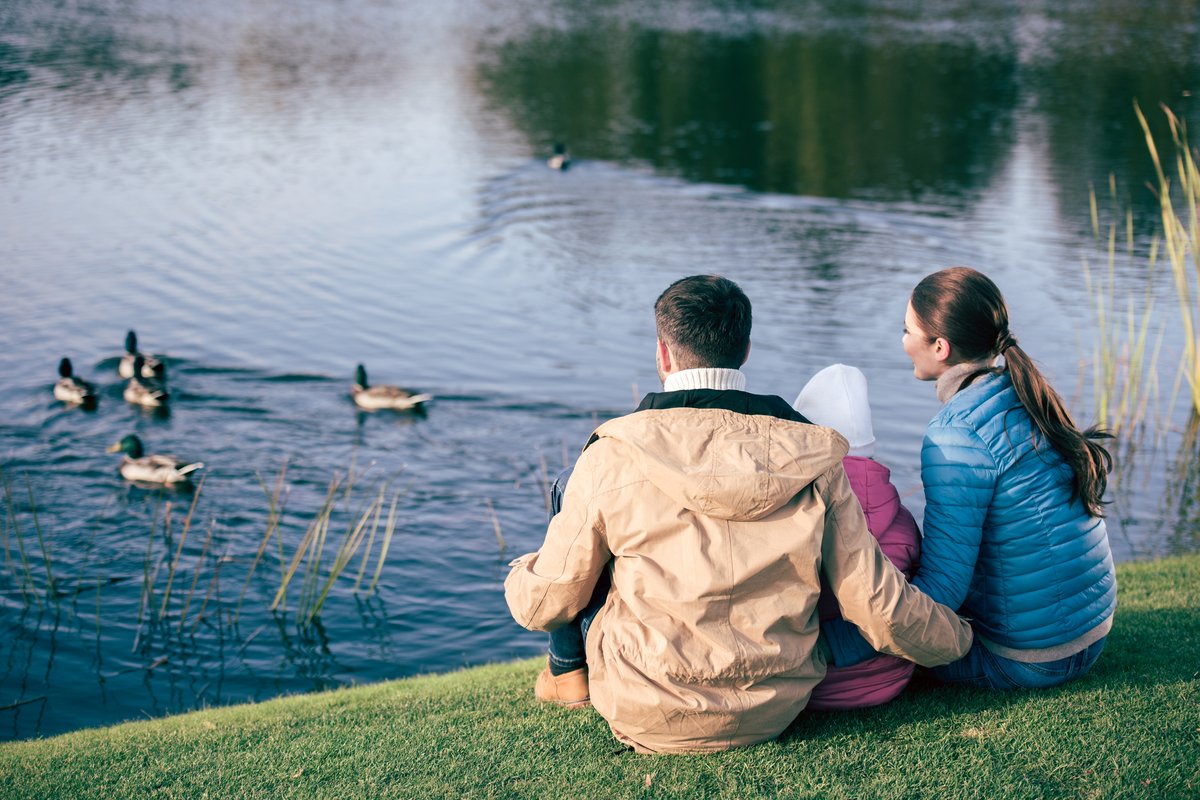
(960,475)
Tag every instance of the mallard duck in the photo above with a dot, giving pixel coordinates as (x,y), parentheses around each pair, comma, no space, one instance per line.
(125,368)
(71,389)
(373,397)
(136,466)
(561,159)
(143,391)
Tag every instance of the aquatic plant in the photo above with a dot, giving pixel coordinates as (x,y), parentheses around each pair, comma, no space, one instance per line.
(496,527)
(1181,239)
(274,515)
(187,524)
(1124,375)
(309,555)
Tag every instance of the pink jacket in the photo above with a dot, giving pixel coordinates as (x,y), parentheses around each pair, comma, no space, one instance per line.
(879,679)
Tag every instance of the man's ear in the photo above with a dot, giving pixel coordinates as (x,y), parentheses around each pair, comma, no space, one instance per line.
(664,357)
(746,357)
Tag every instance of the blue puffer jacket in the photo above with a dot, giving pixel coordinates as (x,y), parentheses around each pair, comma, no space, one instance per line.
(1004,541)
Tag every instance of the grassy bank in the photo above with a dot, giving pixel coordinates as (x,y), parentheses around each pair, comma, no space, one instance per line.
(1129,729)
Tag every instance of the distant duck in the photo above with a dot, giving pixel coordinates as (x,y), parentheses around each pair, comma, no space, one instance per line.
(136,466)
(150,363)
(376,397)
(149,392)
(561,160)
(71,389)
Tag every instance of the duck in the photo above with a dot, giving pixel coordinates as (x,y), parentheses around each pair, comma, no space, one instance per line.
(125,367)
(375,397)
(71,389)
(136,466)
(147,391)
(561,160)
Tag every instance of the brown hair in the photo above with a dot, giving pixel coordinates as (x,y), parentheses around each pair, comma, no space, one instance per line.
(705,319)
(964,307)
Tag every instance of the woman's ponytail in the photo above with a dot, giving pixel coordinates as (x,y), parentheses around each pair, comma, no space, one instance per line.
(1088,459)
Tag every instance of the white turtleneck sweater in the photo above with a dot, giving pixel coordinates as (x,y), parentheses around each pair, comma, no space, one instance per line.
(705,378)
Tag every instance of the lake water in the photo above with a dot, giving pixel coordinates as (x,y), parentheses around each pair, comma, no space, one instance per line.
(270,193)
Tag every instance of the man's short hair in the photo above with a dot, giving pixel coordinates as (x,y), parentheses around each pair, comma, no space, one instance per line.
(705,320)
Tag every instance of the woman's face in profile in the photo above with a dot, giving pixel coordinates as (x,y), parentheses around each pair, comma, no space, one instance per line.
(928,355)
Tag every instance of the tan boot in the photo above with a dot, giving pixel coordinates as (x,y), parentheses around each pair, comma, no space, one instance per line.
(569,689)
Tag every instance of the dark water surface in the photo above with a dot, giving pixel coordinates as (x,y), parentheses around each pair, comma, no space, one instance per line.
(270,194)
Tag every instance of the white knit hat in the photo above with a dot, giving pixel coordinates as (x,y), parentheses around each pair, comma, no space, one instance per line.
(836,397)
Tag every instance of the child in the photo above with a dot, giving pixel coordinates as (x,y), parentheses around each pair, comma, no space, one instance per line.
(836,397)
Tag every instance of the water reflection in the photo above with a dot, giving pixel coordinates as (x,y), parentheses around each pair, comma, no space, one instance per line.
(830,115)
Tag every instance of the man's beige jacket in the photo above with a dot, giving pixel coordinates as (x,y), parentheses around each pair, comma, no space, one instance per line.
(716,527)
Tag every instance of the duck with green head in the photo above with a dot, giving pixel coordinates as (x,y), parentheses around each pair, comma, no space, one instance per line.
(377,397)
(137,466)
(73,389)
(126,368)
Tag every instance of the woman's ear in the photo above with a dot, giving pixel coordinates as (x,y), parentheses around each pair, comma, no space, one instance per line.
(941,349)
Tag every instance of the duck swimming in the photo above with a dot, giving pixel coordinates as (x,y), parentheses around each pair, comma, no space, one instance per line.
(136,466)
(561,160)
(71,389)
(150,392)
(376,397)
(125,368)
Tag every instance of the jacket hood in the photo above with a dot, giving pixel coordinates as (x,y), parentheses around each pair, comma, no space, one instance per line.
(724,464)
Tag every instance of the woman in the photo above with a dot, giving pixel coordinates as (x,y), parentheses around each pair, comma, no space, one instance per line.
(1013,495)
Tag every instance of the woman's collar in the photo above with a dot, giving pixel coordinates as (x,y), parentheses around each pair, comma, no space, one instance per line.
(950,381)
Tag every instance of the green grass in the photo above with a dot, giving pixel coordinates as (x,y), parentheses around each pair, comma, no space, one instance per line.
(1131,728)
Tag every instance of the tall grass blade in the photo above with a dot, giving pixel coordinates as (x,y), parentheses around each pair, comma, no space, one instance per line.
(389,529)
(28,588)
(214,583)
(362,564)
(273,516)
(305,543)
(51,588)
(147,598)
(346,551)
(196,574)
(187,524)
(496,526)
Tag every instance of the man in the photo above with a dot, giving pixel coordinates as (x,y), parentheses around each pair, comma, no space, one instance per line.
(711,514)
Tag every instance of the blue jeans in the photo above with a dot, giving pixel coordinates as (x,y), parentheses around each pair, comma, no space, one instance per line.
(983,668)
(567,650)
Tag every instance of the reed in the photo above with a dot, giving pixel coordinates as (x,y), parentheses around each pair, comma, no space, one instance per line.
(187,524)
(362,564)
(25,578)
(545,475)
(187,603)
(346,550)
(51,587)
(305,545)
(8,559)
(388,530)
(274,514)
(1124,372)
(496,526)
(1181,237)
(214,583)
(312,572)
(147,598)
